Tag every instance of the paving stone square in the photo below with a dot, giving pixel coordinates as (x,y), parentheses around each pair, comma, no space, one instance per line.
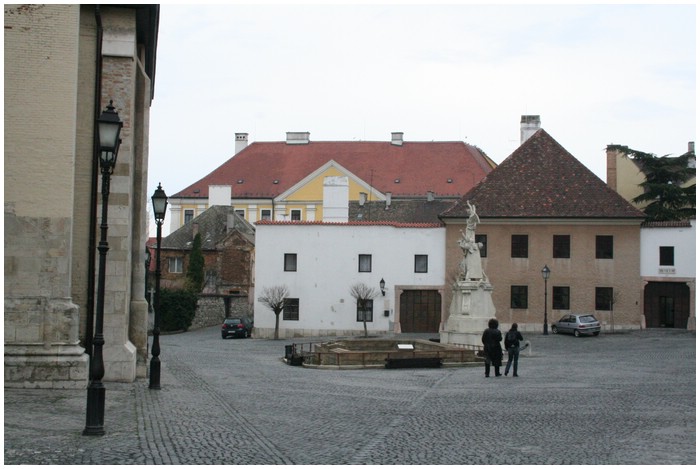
(626,398)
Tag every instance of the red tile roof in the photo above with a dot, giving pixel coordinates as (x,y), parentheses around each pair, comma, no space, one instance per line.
(446,168)
(543,180)
(667,224)
(395,224)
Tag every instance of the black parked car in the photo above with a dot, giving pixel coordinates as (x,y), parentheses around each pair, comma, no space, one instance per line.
(237,327)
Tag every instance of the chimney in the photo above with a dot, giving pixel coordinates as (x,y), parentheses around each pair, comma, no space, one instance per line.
(431,196)
(195,230)
(691,149)
(363,198)
(397,138)
(528,126)
(220,195)
(241,142)
(611,154)
(230,222)
(388,200)
(298,138)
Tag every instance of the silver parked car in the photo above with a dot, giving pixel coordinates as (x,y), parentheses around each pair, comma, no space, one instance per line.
(577,324)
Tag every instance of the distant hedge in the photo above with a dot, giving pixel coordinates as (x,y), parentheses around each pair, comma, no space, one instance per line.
(177,309)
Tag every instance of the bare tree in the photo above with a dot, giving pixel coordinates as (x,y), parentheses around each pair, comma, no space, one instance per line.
(363,294)
(273,298)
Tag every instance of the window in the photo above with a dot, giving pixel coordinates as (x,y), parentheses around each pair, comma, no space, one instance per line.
(365,263)
(561,246)
(366,312)
(175,265)
(266,214)
(603,298)
(518,246)
(189,215)
(240,212)
(290,310)
(603,247)
(420,264)
(290,262)
(560,298)
(210,278)
(666,256)
(481,239)
(518,296)
(296,215)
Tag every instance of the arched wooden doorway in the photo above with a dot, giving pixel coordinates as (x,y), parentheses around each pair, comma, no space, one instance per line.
(667,304)
(420,311)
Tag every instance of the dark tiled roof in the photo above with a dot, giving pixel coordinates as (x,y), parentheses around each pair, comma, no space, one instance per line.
(212,226)
(406,211)
(446,168)
(543,180)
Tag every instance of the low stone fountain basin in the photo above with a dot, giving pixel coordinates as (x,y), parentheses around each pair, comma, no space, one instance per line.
(374,352)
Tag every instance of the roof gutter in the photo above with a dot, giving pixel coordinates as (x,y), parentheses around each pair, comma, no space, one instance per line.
(92,233)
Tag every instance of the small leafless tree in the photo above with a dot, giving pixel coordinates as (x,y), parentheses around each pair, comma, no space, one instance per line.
(273,298)
(363,294)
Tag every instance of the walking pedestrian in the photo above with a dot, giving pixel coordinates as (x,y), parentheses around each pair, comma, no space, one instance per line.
(493,353)
(512,343)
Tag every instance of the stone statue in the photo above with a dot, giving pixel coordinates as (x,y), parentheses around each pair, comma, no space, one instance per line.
(472,304)
(470,267)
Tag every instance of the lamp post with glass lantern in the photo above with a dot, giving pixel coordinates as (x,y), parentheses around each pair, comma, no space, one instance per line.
(545,276)
(109,128)
(160,203)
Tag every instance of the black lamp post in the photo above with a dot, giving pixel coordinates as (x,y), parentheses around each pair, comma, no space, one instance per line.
(109,128)
(382,284)
(160,203)
(545,276)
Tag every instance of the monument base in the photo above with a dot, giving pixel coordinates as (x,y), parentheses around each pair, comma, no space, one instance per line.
(461,339)
(470,311)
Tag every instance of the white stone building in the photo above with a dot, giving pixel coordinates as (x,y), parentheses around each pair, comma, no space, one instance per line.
(319,262)
(667,263)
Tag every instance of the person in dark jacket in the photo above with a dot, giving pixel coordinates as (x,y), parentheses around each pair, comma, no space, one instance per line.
(512,343)
(493,353)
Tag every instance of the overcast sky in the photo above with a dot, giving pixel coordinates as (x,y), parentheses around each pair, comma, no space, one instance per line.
(596,74)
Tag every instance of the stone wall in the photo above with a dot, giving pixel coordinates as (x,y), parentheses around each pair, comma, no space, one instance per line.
(212,309)
(41,320)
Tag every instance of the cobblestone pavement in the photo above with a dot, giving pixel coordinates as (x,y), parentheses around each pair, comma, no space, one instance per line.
(613,399)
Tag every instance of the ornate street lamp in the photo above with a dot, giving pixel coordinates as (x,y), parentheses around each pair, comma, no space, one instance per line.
(109,128)
(160,203)
(382,284)
(545,276)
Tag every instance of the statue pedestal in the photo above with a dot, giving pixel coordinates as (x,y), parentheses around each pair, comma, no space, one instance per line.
(470,311)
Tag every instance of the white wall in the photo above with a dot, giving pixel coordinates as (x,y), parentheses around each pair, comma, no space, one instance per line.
(327,266)
(220,195)
(683,240)
(335,199)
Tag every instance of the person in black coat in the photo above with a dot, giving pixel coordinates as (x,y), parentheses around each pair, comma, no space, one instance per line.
(493,353)
(512,343)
